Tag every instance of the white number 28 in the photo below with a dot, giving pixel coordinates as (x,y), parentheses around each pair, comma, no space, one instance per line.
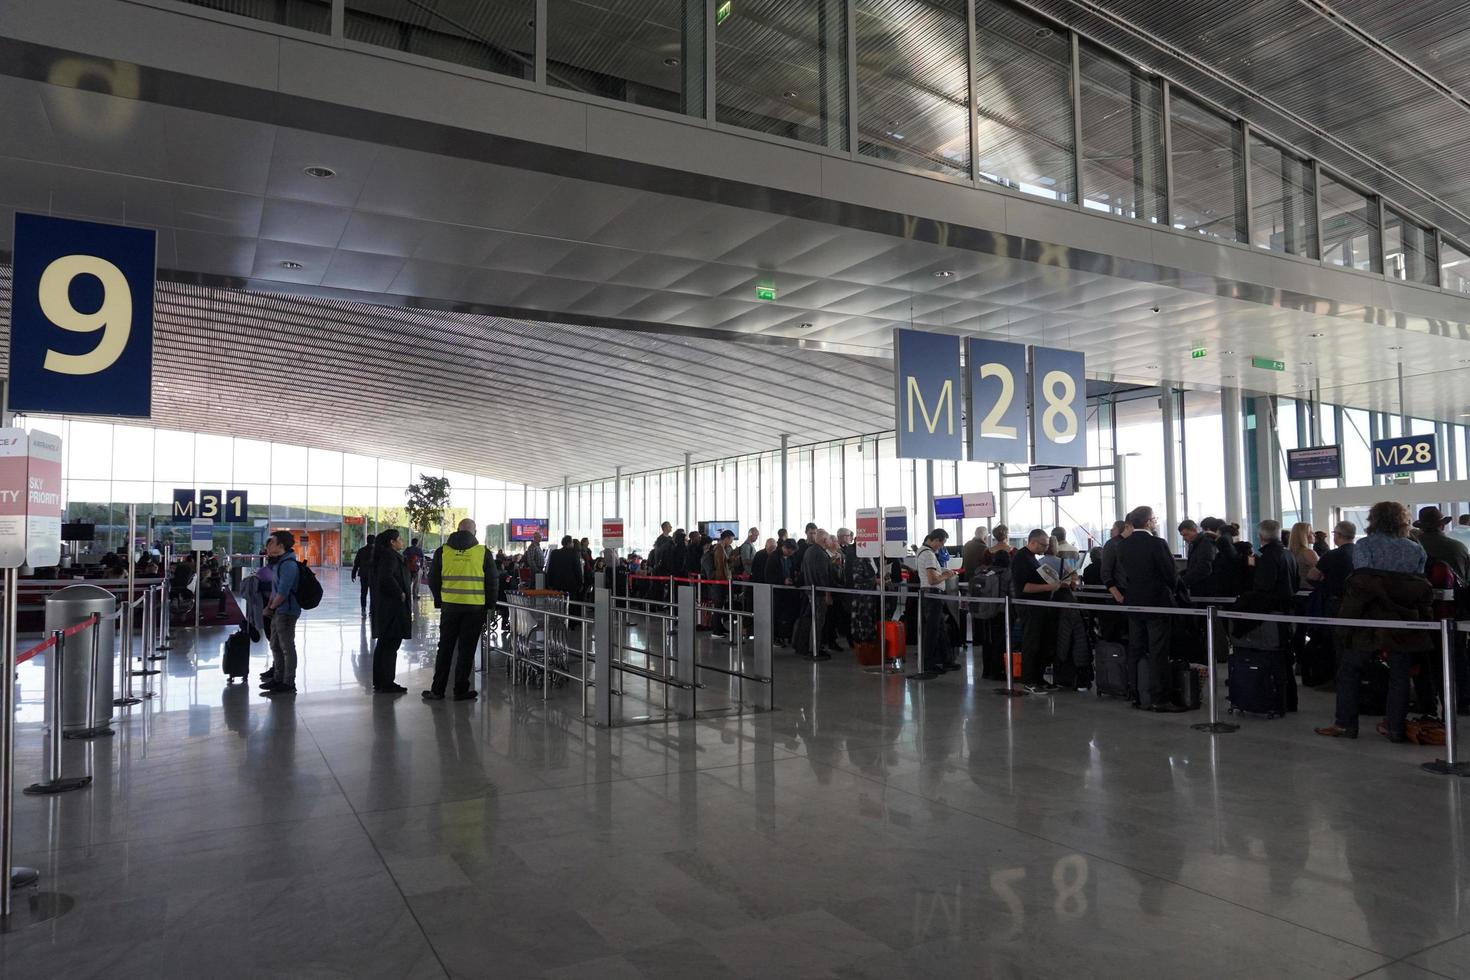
(114,317)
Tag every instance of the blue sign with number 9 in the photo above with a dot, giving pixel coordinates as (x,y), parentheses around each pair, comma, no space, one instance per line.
(81,324)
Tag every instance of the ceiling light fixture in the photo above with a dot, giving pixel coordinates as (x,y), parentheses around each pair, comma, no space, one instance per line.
(1397,347)
(1151,367)
(1043,32)
(322,172)
(288,264)
(1316,336)
(789,94)
(944,274)
(1227,376)
(804,326)
(1227,352)
(671,62)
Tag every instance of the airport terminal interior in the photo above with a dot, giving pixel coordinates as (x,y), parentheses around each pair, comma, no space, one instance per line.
(703,488)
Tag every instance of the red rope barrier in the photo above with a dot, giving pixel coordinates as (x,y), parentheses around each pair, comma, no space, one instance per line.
(50,641)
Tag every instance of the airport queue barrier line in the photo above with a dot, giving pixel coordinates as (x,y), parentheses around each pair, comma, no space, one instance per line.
(1211,614)
(539,623)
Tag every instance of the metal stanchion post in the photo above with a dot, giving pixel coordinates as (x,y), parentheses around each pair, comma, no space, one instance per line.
(920,673)
(11,877)
(1010,690)
(816,641)
(91,731)
(147,638)
(602,627)
(762,610)
(158,638)
(1448,766)
(1214,725)
(55,782)
(124,697)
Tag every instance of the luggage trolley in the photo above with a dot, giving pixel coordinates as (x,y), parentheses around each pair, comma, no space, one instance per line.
(538,640)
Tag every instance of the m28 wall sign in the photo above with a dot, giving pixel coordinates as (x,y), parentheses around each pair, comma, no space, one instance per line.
(1014,417)
(81,321)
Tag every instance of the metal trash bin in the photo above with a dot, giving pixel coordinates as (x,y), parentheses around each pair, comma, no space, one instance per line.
(66,608)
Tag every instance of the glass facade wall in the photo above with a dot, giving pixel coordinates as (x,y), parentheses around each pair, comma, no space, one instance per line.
(1454,267)
(1350,228)
(913,83)
(1123,165)
(1023,114)
(1408,249)
(1283,200)
(1053,114)
(1208,160)
(108,466)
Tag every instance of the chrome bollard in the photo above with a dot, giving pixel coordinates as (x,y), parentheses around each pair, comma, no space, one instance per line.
(1448,766)
(55,781)
(158,639)
(1010,690)
(1214,726)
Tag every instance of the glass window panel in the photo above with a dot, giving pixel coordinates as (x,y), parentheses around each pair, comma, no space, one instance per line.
(912,83)
(395,476)
(1408,249)
(132,453)
(1283,201)
(359,471)
(89,450)
(288,502)
(252,461)
(781,68)
(323,468)
(648,53)
(307,15)
(173,457)
(1123,166)
(1454,268)
(214,460)
(288,463)
(1023,84)
(1208,167)
(493,35)
(1349,227)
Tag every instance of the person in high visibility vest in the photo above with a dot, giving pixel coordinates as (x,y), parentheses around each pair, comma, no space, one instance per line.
(463,578)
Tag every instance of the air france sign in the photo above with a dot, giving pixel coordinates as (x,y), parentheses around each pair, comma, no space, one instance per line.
(1005,404)
(81,321)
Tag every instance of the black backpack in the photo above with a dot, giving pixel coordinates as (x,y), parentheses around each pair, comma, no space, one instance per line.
(308,588)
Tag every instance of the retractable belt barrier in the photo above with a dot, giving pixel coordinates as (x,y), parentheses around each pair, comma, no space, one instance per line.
(1211,614)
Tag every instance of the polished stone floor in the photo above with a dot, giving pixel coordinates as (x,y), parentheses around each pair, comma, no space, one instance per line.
(869,827)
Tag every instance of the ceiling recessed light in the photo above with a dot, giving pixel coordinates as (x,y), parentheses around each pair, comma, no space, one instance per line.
(1227,352)
(1151,367)
(288,264)
(1227,375)
(1043,32)
(789,94)
(1306,363)
(804,326)
(1316,336)
(671,62)
(944,274)
(322,172)
(1397,347)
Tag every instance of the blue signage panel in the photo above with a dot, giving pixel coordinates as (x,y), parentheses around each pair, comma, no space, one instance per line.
(235,506)
(1058,407)
(1405,454)
(184,506)
(926,394)
(997,401)
(81,321)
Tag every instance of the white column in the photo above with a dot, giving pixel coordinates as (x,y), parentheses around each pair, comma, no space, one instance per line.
(1171,474)
(1234,454)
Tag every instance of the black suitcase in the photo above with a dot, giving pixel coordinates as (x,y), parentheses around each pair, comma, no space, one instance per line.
(1373,688)
(1254,686)
(1186,688)
(236,660)
(1110,661)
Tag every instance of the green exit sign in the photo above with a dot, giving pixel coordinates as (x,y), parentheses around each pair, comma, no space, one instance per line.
(1267,364)
(1198,352)
(721,12)
(765,292)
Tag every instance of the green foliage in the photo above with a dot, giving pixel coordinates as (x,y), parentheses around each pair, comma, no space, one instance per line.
(426,502)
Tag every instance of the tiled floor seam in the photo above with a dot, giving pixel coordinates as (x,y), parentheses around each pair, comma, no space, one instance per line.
(1417,952)
(407,905)
(1106,860)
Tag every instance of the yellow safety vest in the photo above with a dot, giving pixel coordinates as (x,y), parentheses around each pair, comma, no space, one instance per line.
(462,575)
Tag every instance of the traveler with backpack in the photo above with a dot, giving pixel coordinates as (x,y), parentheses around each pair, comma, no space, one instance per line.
(463,579)
(390,617)
(284,609)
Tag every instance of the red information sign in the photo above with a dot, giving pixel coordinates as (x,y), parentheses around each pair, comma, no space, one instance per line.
(612,532)
(869,524)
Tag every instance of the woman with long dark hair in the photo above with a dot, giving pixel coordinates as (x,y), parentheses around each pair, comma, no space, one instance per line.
(390,612)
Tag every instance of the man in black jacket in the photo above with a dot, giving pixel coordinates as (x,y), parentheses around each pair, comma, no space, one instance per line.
(565,571)
(1200,550)
(362,569)
(1148,577)
(816,570)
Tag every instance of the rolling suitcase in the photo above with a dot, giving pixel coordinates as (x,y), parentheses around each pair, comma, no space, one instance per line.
(1186,687)
(236,659)
(1254,686)
(1110,661)
(1373,688)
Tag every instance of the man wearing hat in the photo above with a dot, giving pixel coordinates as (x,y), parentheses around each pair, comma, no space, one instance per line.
(1438,545)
